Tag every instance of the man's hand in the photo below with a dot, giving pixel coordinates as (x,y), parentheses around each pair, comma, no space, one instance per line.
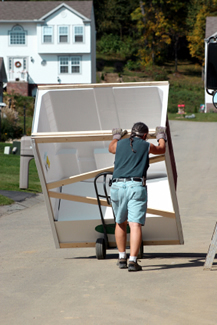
(161,133)
(118,133)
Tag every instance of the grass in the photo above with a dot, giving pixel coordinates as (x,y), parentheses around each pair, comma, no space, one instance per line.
(199,117)
(10,171)
(5,200)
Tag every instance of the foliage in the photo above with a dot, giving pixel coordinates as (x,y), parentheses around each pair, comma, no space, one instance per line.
(160,24)
(133,65)
(112,44)
(196,23)
(113,17)
(12,120)
(21,101)
(10,130)
(9,126)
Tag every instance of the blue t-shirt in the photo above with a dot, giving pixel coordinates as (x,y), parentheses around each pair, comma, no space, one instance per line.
(129,163)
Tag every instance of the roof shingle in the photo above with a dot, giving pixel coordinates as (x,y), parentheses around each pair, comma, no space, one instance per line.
(30,10)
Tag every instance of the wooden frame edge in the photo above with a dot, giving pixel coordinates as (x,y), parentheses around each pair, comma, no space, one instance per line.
(59,137)
(84,176)
(78,178)
(103,85)
(113,244)
(92,200)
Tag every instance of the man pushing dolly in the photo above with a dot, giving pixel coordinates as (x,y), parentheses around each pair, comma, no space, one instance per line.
(128,190)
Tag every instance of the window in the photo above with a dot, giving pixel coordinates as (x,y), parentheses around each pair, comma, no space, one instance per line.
(64,64)
(24,64)
(75,64)
(63,34)
(17,36)
(70,64)
(10,64)
(47,34)
(78,34)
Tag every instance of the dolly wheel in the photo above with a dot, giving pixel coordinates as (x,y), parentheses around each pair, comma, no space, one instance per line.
(140,255)
(100,249)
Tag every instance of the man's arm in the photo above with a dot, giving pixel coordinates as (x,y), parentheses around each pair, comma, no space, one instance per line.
(117,135)
(161,139)
(113,146)
(158,150)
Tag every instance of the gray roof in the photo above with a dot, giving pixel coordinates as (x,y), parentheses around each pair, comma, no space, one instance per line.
(3,76)
(211,26)
(30,10)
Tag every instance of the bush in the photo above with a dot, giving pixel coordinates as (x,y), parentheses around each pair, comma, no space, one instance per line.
(112,44)
(10,130)
(133,65)
(21,101)
(13,117)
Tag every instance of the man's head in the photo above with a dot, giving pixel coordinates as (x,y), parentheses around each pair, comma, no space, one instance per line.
(139,129)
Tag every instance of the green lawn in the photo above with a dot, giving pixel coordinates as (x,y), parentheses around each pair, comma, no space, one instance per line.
(10,171)
(199,117)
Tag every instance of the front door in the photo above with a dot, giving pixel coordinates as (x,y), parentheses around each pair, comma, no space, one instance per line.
(18,68)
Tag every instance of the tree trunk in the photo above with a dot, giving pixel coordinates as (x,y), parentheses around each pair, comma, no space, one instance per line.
(176,50)
(143,11)
(143,18)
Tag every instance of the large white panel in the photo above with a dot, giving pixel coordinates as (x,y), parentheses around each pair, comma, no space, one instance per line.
(138,104)
(94,108)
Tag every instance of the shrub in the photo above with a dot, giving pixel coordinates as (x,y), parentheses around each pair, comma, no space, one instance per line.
(10,130)
(133,65)
(112,44)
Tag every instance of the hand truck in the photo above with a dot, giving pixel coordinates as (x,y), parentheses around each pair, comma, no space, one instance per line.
(102,243)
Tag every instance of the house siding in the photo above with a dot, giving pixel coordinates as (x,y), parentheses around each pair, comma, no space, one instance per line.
(64,17)
(42,60)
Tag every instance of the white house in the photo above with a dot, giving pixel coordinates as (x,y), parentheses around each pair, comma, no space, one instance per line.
(47,42)
(211,31)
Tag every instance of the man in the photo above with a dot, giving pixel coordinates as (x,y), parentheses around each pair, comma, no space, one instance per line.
(128,190)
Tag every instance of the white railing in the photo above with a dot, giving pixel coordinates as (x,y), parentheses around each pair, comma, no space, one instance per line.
(21,75)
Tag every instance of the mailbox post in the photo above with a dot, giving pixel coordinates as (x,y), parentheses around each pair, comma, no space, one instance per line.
(26,154)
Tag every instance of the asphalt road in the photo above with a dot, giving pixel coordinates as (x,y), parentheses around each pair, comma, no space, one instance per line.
(42,285)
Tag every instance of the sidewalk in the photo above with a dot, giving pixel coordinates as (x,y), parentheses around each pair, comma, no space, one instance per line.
(22,200)
(42,285)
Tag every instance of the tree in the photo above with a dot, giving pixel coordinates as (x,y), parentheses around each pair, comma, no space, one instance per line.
(196,22)
(160,23)
(113,17)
